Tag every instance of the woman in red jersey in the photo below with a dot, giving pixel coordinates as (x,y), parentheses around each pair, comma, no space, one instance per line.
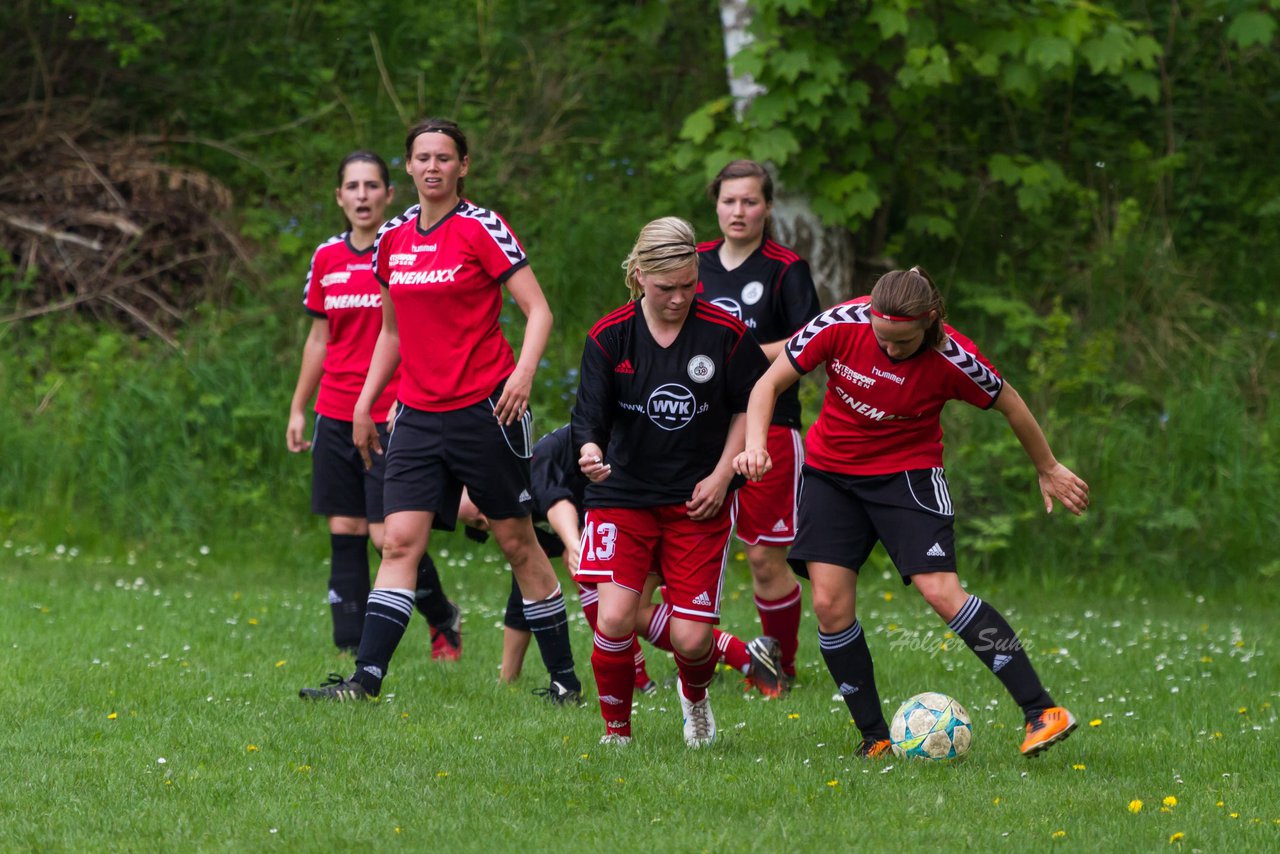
(345,305)
(464,415)
(873,471)
(659,417)
(769,288)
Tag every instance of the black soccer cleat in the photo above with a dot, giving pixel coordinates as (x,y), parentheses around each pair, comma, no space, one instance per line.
(766,668)
(336,688)
(558,694)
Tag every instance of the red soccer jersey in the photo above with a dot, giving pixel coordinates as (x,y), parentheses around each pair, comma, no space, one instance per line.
(341,289)
(446,286)
(881,416)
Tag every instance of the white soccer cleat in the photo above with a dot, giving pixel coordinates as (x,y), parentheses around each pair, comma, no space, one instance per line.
(699,723)
(615,738)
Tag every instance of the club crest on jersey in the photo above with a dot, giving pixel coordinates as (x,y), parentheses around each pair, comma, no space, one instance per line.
(752,292)
(701,369)
(671,406)
(728,304)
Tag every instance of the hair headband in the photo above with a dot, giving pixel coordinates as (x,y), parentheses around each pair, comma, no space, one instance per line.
(899,318)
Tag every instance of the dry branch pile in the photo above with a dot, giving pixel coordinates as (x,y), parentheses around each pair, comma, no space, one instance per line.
(105,226)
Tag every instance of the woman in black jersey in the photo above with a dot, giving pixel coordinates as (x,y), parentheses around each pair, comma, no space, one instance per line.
(659,417)
(769,288)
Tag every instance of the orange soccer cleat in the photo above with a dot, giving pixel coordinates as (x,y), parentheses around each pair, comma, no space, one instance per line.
(1053,726)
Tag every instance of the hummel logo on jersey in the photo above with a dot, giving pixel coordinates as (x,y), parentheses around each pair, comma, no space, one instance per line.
(702,599)
(611,700)
(780,526)
(424,277)
(936,551)
(524,496)
(624,367)
(425,247)
(846,689)
(999,662)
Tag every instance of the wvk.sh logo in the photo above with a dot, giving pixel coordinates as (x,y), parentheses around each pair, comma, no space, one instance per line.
(671,406)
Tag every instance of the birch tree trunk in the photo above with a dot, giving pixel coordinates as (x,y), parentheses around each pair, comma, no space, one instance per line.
(829,250)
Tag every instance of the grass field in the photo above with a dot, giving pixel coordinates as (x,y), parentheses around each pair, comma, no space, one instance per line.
(153,706)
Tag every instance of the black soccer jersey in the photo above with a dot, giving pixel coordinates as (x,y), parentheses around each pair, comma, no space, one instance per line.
(661,413)
(554,473)
(771,292)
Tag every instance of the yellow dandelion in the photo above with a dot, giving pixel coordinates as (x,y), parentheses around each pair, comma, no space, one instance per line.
(251,748)
(833,783)
(404,716)
(168,782)
(112,716)
(996,802)
(888,597)
(1177,837)
(1217,735)
(947,635)
(893,627)
(282,662)
(739,556)
(1135,806)
(397,830)
(1244,710)
(794,716)
(1166,810)
(1077,767)
(1206,659)
(253,621)
(619,780)
(1170,801)
(1220,804)
(303,769)
(442,773)
(1096,722)
(584,756)
(1235,815)
(1059,834)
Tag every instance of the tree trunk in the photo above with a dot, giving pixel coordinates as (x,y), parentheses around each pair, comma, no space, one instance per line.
(828,249)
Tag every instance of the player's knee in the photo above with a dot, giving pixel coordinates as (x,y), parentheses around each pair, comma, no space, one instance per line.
(833,609)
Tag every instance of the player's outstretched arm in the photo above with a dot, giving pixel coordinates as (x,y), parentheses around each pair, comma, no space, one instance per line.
(753,463)
(312,368)
(386,358)
(1056,480)
(525,290)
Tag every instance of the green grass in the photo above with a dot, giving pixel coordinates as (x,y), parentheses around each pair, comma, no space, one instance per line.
(152,705)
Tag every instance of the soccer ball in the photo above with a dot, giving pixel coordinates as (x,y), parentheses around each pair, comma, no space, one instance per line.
(931,726)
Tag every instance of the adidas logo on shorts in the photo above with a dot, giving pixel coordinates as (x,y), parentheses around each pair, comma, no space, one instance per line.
(780,526)
(936,551)
(524,496)
(702,599)
(999,662)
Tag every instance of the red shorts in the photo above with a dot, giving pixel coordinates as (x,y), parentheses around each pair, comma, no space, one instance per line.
(625,544)
(766,509)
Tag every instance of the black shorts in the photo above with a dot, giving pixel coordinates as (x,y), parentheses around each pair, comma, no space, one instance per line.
(340,485)
(432,455)
(841,517)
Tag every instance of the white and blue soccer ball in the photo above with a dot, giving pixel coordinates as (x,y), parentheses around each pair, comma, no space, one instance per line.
(931,726)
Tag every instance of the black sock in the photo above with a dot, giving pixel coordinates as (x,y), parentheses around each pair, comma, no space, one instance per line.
(429,595)
(348,586)
(514,618)
(994,642)
(849,661)
(549,622)
(385,620)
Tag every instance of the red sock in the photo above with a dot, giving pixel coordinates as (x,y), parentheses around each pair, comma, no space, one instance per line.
(658,632)
(589,596)
(637,657)
(732,651)
(611,661)
(695,675)
(780,619)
